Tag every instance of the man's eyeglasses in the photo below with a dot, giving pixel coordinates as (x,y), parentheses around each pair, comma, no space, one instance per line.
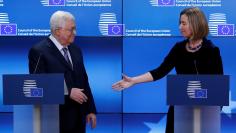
(72,30)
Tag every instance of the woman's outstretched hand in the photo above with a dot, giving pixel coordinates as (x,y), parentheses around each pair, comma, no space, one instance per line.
(126,82)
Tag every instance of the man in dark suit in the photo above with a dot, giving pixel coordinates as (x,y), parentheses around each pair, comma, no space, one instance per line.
(58,54)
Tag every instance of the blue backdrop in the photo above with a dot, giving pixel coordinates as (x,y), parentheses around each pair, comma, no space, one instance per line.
(150,31)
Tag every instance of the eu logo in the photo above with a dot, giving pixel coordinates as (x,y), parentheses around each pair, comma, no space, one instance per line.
(201,93)
(166,2)
(225,30)
(36,92)
(115,29)
(8,29)
(56,2)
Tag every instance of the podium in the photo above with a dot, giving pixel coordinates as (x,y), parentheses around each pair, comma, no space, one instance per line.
(35,98)
(197,101)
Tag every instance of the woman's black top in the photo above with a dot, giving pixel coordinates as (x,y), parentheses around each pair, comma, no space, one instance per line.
(206,60)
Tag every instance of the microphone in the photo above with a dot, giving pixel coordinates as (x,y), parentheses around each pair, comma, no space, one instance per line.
(195,65)
(36,67)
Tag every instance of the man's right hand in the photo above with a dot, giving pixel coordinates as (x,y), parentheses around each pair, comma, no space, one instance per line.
(78,95)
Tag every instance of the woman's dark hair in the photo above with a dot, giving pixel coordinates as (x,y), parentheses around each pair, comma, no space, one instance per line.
(197,21)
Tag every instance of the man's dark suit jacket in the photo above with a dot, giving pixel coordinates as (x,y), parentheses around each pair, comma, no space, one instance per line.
(45,57)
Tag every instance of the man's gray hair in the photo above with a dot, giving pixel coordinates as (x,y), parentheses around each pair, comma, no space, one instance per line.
(59,18)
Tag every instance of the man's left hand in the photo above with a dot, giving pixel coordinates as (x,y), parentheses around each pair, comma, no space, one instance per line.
(91,118)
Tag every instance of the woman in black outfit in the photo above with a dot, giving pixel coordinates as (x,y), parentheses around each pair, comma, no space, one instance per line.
(195,55)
